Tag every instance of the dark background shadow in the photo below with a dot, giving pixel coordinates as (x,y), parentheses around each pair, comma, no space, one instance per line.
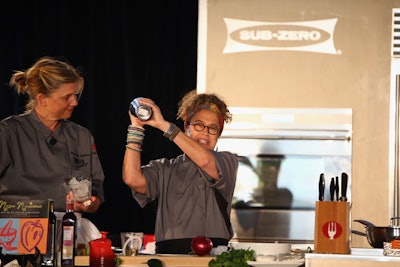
(126,49)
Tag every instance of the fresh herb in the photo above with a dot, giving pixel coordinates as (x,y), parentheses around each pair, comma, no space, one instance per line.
(118,261)
(233,258)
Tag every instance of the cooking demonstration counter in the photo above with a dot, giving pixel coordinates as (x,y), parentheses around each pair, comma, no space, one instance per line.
(168,260)
(359,257)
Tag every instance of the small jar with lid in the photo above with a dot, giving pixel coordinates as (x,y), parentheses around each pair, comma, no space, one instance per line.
(101,253)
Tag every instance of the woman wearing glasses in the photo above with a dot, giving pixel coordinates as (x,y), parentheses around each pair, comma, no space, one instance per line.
(195,189)
(41,147)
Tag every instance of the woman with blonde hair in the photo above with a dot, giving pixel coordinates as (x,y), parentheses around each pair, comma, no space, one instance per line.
(41,147)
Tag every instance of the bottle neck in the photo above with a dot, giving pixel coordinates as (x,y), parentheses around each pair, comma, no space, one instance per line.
(69,205)
(51,207)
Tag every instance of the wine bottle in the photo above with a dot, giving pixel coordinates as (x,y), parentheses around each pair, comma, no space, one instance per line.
(49,258)
(68,240)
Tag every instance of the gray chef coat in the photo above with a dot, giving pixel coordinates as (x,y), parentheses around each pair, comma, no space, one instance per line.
(34,161)
(187,206)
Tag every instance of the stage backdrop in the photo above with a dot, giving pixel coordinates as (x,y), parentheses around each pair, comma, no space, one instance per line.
(314,54)
(125,49)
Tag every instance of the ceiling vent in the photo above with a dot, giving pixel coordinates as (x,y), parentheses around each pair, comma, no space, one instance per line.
(396,33)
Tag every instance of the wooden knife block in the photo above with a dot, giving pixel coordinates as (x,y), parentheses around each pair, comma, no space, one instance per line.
(332,227)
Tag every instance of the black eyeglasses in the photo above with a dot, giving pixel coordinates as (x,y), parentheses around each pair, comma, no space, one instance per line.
(199,126)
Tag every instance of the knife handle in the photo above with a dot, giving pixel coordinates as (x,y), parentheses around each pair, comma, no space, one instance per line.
(344,187)
(321,187)
(332,189)
(337,188)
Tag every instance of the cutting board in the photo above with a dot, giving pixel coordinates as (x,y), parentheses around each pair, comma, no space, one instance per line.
(167,259)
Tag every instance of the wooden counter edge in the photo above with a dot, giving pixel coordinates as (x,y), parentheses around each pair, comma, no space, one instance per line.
(168,260)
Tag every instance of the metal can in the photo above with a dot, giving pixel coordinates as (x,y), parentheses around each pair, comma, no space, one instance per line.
(143,112)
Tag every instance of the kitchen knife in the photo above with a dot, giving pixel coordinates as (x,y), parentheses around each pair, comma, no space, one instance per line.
(344,186)
(337,188)
(321,187)
(332,189)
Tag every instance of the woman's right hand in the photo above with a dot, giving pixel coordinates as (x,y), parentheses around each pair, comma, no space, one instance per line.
(135,121)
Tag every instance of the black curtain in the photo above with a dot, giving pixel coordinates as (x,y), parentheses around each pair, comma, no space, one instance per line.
(125,49)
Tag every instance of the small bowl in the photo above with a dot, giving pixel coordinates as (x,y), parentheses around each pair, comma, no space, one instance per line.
(264,249)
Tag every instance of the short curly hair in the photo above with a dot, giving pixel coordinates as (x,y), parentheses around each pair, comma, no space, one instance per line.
(192,102)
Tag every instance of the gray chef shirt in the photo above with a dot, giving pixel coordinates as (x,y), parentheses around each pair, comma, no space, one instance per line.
(187,205)
(34,161)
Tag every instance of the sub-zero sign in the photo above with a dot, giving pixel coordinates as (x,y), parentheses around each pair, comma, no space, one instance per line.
(309,36)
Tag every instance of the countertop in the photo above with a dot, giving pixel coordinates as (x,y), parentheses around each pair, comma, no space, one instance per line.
(168,260)
(358,257)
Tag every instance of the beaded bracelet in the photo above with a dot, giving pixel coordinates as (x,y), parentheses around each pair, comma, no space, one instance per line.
(137,128)
(135,135)
(134,142)
(134,149)
(172,132)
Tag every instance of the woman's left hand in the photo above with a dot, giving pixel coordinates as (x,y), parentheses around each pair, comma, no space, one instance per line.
(157,119)
(83,207)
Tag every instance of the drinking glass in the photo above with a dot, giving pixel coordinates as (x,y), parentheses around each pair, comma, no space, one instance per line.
(131,243)
(81,188)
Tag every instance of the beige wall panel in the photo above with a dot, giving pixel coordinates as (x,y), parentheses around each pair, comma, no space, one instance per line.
(357,77)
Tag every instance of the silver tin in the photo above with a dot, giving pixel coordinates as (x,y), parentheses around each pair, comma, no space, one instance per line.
(143,112)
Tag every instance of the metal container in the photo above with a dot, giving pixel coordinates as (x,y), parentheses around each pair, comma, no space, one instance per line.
(143,112)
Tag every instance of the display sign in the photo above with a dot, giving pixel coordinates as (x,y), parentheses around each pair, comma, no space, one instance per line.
(23,226)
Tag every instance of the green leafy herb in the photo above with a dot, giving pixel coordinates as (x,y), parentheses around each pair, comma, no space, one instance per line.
(118,261)
(233,258)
